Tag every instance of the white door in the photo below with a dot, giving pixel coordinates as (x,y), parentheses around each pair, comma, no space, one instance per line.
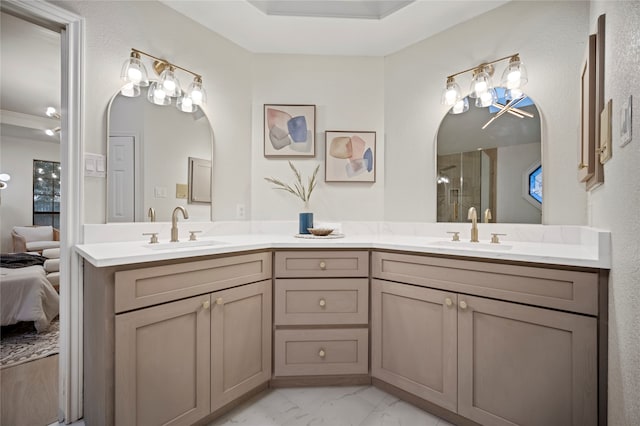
(120,179)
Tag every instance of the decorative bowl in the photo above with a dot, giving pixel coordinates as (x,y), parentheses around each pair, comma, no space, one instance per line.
(320,232)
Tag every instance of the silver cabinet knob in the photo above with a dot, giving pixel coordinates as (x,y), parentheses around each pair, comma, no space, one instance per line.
(322,353)
(463,305)
(205,304)
(322,303)
(448,302)
(323,265)
(219,301)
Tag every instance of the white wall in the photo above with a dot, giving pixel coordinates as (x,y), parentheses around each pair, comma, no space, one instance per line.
(513,161)
(112,29)
(349,95)
(615,206)
(16,203)
(550,37)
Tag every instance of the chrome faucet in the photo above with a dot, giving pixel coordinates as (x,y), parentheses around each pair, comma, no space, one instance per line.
(152,214)
(473,217)
(174,222)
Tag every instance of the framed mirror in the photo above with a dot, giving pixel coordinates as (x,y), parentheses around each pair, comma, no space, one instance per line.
(149,164)
(496,168)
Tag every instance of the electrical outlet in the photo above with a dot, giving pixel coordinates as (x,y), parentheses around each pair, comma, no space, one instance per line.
(240,211)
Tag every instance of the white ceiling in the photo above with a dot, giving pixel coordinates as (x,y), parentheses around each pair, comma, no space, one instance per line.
(29,78)
(323,33)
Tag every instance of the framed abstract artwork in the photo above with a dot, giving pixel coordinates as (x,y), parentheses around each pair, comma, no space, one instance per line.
(289,130)
(350,156)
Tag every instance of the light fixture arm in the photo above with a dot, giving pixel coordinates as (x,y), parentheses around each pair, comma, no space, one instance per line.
(484,65)
(161,64)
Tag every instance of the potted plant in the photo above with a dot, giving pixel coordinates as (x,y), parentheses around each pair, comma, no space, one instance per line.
(300,191)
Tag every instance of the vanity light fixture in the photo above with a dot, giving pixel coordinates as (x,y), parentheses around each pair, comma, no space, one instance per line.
(52,113)
(166,88)
(52,132)
(482,88)
(4,178)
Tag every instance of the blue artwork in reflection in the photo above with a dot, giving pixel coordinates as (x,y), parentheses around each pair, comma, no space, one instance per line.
(535,184)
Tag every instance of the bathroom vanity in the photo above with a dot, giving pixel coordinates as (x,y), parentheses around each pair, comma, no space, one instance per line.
(180,336)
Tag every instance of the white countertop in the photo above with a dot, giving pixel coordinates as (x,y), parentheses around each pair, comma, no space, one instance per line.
(559,245)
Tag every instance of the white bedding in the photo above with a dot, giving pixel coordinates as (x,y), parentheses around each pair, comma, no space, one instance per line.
(27,295)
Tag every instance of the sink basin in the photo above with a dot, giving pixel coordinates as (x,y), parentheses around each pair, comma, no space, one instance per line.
(182,244)
(465,245)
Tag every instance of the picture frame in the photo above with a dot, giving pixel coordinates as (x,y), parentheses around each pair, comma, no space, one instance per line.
(289,130)
(587,149)
(597,178)
(350,156)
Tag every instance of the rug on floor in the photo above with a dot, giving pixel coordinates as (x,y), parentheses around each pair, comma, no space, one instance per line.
(21,343)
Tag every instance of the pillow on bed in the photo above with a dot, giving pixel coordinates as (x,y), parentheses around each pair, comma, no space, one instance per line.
(35,233)
(51,253)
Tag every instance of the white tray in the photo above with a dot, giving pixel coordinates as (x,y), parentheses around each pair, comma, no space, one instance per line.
(319,237)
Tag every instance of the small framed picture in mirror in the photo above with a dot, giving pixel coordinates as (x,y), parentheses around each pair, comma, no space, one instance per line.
(199,181)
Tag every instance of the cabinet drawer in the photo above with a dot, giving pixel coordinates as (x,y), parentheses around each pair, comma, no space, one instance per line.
(575,291)
(321,301)
(158,284)
(321,352)
(322,264)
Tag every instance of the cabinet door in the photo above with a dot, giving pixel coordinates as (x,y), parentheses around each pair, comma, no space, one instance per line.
(240,341)
(414,340)
(525,366)
(162,359)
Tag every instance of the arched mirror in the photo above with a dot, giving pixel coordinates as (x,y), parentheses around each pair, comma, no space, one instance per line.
(158,157)
(490,159)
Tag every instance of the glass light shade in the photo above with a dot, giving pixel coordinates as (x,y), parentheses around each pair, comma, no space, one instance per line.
(134,71)
(130,90)
(196,92)
(186,104)
(461,106)
(511,94)
(51,112)
(5,177)
(487,98)
(156,94)
(481,83)
(451,93)
(515,75)
(170,83)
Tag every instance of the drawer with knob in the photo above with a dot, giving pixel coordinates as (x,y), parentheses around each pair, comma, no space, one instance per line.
(321,301)
(320,264)
(321,352)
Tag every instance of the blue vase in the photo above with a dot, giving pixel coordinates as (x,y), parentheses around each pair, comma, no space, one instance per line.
(306,221)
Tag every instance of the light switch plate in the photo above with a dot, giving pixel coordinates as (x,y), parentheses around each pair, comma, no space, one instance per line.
(605,133)
(626,116)
(160,192)
(94,165)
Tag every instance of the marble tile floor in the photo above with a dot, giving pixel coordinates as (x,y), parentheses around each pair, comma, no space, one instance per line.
(327,406)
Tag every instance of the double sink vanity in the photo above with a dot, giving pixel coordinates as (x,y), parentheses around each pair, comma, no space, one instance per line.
(478,333)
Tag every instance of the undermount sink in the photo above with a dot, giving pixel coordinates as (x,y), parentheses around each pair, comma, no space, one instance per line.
(465,245)
(183,244)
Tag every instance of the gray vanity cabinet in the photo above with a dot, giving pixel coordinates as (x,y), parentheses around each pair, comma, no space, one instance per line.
(172,342)
(413,340)
(162,359)
(437,335)
(321,317)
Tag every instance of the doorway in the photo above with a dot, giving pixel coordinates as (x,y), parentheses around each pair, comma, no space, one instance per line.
(71,29)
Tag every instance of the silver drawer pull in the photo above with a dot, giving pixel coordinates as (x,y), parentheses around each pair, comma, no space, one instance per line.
(322,353)
(205,304)
(323,265)
(463,305)
(448,301)
(322,303)
(219,301)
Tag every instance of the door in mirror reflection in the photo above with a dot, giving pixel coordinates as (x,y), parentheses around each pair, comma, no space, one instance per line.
(485,159)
